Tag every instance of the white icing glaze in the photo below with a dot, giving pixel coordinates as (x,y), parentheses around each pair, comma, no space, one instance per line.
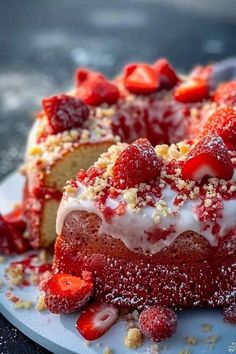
(132,227)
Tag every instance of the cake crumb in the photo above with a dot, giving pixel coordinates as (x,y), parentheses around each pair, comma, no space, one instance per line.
(134,338)
(2,259)
(154,349)
(191,340)
(41,306)
(107,350)
(206,327)
(185,351)
(23,304)
(15,274)
(211,339)
(87,343)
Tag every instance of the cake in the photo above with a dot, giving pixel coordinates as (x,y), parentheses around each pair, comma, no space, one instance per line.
(73,129)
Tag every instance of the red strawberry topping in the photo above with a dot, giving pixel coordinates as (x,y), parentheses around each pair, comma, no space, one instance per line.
(226,94)
(223,123)
(165,74)
(94,89)
(158,323)
(136,164)
(193,90)
(16,218)
(202,72)
(140,78)
(67,293)
(64,112)
(11,238)
(208,158)
(230,314)
(96,320)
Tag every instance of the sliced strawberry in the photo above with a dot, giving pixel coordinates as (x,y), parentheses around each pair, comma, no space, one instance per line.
(16,218)
(202,72)
(96,320)
(158,323)
(223,123)
(64,112)
(94,88)
(226,94)
(136,164)
(97,91)
(65,293)
(165,73)
(11,239)
(83,74)
(140,78)
(209,158)
(193,90)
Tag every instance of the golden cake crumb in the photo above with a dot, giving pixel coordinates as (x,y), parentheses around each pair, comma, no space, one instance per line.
(107,350)
(2,259)
(185,351)
(134,338)
(15,274)
(191,340)
(23,304)
(211,339)
(41,306)
(206,327)
(130,196)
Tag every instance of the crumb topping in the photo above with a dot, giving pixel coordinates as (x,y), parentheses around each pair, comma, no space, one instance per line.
(134,338)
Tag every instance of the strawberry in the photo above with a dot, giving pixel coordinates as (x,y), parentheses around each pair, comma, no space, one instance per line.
(64,112)
(158,323)
(96,320)
(137,163)
(165,74)
(223,123)
(66,293)
(94,88)
(11,239)
(83,74)
(226,94)
(140,78)
(230,314)
(193,90)
(208,158)
(202,72)
(16,218)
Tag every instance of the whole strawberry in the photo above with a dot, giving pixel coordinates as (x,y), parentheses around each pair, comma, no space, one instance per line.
(208,158)
(138,163)
(226,94)
(158,323)
(223,123)
(64,112)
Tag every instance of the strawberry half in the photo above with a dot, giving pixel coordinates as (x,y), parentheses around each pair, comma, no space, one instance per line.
(64,112)
(16,218)
(226,94)
(193,90)
(66,293)
(136,164)
(96,320)
(11,239)
(209,158)
(140,78)
(223,123)
(165,73)
(94,88)
(202,72)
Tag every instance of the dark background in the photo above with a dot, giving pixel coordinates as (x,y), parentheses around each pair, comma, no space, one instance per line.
(42,42)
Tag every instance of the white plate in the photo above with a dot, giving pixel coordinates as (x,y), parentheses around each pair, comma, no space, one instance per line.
(58,333)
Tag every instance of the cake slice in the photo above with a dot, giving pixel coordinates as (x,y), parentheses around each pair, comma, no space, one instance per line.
(153,226)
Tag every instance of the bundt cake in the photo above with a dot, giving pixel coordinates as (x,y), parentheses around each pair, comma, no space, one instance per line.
(73,129)
(154,226)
